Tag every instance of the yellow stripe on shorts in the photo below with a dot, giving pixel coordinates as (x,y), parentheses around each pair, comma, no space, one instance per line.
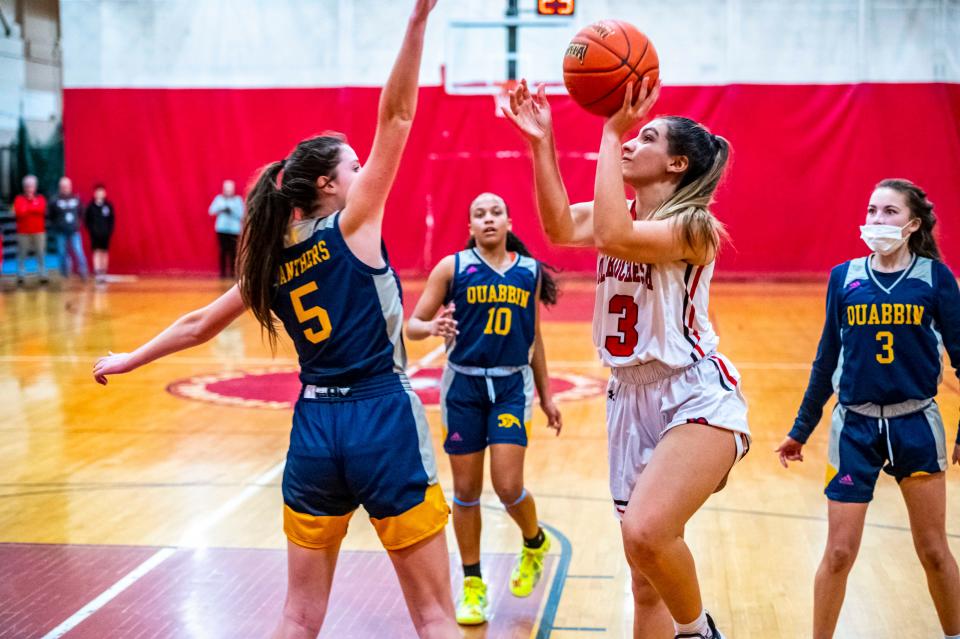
(314,531)
(416,524)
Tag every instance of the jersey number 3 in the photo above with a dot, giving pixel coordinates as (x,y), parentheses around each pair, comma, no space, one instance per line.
(886,339)
(304,315)
(623,345)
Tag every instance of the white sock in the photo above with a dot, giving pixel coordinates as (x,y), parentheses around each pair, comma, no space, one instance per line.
(698,625)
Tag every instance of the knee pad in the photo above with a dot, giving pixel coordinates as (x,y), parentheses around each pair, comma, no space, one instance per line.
(523,495)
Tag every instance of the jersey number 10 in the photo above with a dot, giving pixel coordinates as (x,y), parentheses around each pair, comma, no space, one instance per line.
(498,321)
(304,315)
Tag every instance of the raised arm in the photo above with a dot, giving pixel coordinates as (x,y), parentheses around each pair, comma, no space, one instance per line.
(362,217)
(422,322)
(564,224)
(192,329)
(615,232)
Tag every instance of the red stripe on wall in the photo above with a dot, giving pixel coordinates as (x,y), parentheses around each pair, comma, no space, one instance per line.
(805,159)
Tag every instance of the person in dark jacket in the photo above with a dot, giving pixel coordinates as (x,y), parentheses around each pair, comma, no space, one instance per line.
(64,213)
(99,219)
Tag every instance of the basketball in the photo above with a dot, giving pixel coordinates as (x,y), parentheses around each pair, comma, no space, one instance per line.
(602,58)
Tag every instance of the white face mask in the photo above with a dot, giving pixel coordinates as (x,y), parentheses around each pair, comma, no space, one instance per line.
(883,238)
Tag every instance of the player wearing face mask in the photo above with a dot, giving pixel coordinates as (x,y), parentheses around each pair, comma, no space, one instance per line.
(889,317)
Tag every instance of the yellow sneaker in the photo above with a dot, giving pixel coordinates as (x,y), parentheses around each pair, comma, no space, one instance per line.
(472,607)
(529,567)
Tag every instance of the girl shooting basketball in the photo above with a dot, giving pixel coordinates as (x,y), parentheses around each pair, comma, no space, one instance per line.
(676,418)
(495,355)
(311,255)
(887,316)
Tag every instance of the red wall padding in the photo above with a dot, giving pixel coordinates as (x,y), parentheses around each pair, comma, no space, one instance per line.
(805,159)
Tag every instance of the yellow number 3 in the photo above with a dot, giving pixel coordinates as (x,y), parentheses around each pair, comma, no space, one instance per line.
(314,312)
(887,356)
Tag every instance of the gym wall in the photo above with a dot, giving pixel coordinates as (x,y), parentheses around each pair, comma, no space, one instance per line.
(164,100)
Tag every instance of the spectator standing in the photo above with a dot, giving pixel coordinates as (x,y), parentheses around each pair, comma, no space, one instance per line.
(100,216)
(228,207)
(65,222)
(30,209)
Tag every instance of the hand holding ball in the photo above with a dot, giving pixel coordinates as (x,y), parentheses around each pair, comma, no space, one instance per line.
(602,59)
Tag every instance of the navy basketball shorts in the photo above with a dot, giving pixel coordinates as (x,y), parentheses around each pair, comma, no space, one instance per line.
(479,411)
(861,446)
(366,445)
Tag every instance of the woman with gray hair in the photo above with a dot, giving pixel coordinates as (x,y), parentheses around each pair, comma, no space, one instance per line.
(30,209)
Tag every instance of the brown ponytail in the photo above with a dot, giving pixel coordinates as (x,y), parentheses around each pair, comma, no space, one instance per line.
(707,155)
(280,188)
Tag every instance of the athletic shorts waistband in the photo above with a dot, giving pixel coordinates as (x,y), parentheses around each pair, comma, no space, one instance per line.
(647,373)
(890,410)
(476,371)
(361,389)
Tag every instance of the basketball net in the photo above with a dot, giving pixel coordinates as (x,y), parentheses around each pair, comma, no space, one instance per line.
(501,99)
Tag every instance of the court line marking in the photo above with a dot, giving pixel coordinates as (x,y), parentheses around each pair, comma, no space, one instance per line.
(107,595)
(545,627)
(556,587)
(193,537)
(745,511)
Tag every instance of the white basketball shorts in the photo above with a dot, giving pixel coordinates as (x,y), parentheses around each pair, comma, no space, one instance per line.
(646,401)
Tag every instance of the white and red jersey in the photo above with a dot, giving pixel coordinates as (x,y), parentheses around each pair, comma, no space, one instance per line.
(652,312)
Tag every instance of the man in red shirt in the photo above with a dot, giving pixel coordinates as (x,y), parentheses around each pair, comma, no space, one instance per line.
(30,209)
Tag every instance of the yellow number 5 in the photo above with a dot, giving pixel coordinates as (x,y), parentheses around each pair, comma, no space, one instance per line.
(887,356)
(314,312)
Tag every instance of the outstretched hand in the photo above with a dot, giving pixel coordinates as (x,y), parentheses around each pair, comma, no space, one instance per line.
(634,108)
(112,364)
(530,113)
(789,450)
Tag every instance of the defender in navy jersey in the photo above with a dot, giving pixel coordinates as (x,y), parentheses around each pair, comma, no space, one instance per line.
(889,317)
(490,293)
(312,255)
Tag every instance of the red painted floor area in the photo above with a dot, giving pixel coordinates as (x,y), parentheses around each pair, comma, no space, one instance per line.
(41,585)
(219,593)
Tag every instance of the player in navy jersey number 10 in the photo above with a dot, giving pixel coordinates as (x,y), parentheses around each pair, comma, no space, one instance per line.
(889,316)
(490,294)
(312,256)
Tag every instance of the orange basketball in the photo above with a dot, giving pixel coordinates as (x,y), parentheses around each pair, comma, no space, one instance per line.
(602,58)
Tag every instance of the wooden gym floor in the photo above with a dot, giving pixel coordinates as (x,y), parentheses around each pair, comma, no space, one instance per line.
(152,507)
